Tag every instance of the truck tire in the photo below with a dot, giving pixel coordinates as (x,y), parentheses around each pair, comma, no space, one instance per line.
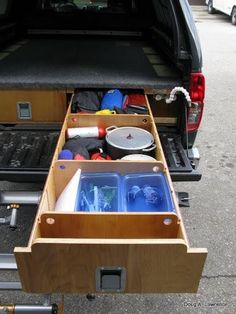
(210,7)
(233,16)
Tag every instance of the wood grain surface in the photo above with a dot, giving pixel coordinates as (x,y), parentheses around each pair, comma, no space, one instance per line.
(69,265)
(47,106)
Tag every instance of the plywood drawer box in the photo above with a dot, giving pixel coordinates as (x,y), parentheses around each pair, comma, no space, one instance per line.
(104,121)
(71,252)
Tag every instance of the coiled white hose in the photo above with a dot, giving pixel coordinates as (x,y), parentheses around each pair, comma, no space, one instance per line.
(179,90)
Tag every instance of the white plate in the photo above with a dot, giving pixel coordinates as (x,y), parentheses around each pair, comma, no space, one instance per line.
(138,157)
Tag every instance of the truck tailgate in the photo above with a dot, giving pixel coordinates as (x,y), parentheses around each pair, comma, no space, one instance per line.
(26,151)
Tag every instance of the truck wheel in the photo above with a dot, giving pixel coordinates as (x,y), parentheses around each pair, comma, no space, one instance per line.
(210,7)
(233,16)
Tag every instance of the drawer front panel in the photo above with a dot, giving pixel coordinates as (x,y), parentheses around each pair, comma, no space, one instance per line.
(69,266)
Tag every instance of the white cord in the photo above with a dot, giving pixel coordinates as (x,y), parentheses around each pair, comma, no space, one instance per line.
(179,90)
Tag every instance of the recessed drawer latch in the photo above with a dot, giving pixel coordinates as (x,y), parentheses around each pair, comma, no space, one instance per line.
(24,110)
(110,279)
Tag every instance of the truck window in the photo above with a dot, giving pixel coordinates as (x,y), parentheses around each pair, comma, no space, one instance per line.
(96,4)
(64,6)
(3,7)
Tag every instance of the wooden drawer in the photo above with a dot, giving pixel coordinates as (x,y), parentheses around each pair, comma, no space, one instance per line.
(87,120)
(45,106)
(71,252)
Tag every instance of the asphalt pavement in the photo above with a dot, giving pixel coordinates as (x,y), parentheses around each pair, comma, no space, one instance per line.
(210,221)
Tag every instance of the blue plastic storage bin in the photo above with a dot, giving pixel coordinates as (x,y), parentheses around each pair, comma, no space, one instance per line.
(147,192)
(99,192)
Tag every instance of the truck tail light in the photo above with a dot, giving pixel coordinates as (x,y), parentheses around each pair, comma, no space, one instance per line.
(197,94)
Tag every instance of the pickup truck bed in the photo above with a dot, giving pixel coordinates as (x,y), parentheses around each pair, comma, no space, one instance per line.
(72,63)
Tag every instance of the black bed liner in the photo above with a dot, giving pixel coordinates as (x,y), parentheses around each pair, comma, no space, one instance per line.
(79,62)
(26,152)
